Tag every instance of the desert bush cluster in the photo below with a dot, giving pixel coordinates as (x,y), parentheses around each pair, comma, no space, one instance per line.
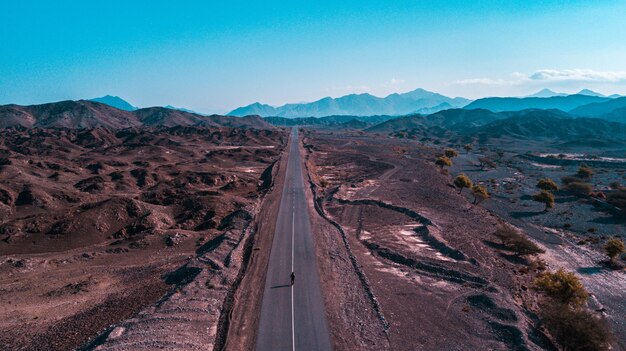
(516,242)
(565,316)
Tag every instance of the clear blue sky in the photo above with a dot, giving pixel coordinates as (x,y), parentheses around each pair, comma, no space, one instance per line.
(213,56)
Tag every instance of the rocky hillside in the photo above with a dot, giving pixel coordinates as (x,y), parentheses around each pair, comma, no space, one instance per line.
(90,114)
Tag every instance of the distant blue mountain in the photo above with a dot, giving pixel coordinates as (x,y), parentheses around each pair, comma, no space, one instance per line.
(603,109)
(589,93)
(563,103)
(183,109)
(545,93)
(358,105)
(116,102)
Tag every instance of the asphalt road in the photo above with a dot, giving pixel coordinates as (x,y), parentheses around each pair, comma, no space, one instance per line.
(293,317)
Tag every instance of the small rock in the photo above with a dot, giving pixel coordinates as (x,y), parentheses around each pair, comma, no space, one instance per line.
(116,332)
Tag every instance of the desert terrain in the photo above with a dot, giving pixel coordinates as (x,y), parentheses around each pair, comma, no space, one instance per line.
(133,238)
(164,229)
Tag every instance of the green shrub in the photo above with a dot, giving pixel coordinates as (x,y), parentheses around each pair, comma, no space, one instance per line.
(617,199)
(563,286)
(443,161)
(584,171)
(450,153)
(570,179)
(613,248)
(575,328)
(579,188)
(486,162)
(506,233)
(516,242)
(462,181)
(323,182)
(480,193)
(547,184)
(545,198)
(522,246)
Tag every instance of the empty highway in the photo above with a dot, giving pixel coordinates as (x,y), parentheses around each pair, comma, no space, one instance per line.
(293,317)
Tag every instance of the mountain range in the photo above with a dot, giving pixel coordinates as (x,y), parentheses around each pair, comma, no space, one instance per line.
(416,101)
(563,103)
(115,101)
(574,128)
(553,126)
(91,114)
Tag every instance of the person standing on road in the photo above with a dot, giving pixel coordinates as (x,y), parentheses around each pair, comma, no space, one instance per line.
(293,277)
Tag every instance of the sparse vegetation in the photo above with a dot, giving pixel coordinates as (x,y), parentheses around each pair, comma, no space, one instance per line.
(570,179)
(516,242)
(450,153)
(323,182)
(480,193)
(613,248)
(545,198)
(584,171)
(485,162)
(575,328)
(618,199)
(443,161)
(547,184)
(468,147)
(462,181)
(579,188)
(563,286)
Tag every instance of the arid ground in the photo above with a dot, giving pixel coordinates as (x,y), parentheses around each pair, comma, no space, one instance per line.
(128,239)
(160,238)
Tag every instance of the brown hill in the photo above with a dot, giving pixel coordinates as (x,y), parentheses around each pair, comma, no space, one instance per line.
(66,114)
(84,114)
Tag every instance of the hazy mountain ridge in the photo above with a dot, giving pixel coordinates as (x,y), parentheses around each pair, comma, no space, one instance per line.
(329,121)
(184,110)
(545,93)
(563,103)
(357,105)
(534,124)
(537,124)
(600,109)
(115,101)
(89,114)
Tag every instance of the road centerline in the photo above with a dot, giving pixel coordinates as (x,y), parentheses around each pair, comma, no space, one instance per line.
(279,299)
(293,324)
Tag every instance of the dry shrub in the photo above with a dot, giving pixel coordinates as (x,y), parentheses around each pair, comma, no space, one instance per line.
(516,242)
(563,286)
(576,328)
(579,188)
(547,184)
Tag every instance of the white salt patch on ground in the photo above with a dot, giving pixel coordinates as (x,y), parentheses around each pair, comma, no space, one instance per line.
(365,235)
(225,147)
(443,258)
(550,230)
(392,270)
(442,284)
(583,157)
(545,166)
